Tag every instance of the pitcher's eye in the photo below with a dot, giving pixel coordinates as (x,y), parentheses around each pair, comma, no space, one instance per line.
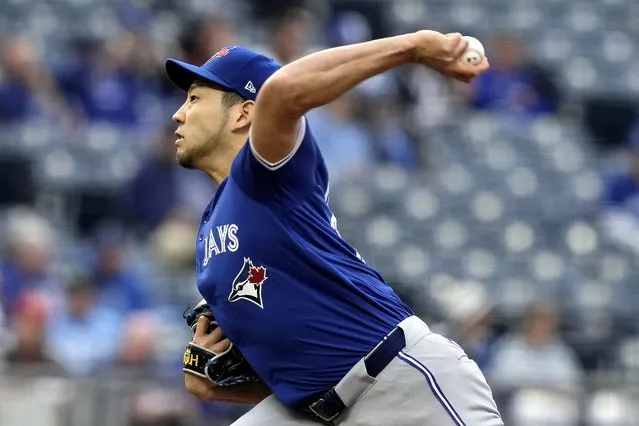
(193,98)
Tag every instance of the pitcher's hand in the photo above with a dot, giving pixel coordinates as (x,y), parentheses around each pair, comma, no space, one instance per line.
(214,341)
(443,53)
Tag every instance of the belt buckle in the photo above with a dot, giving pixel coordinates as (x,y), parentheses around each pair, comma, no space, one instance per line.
(318,414)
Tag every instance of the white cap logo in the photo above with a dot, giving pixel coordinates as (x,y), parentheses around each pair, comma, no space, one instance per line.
(249,86)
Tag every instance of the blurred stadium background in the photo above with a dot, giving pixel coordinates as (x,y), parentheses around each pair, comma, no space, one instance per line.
(505,212)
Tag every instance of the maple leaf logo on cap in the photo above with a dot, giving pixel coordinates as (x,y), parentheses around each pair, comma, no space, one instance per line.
(220,53)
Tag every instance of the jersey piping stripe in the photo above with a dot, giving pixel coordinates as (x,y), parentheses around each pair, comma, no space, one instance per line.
(283,161)
(434,387)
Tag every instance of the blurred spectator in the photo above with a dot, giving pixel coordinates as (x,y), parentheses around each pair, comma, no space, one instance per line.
(205,37)
(146,63)
(620,214)
(350,27)
(347,146)
(160,186)
(27,90)
(28,329)
(172,243)
(28,264)
(174,257)
(515,84)
(118,286)
(103,83)
(85,336)
(389,129)
(152,194)
(535,356)
(138,343)
(291,35)
(469,320)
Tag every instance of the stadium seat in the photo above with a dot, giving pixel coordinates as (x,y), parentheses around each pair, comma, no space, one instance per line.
(631,77)
(487,207)
(518,237)
(629,354)
(547,266)
(582,17)
(611,408)
(581,238)
(450,235)
(553,45)
(456,179)
(480,264)
(515,291)
(537,407)
(351,201)
(383,232)
(616,47)
(412,263)
(522,183)
(421,205)
(580,75)
(56,168)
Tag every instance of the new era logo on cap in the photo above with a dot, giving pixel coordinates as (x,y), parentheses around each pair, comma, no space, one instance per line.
(249,86)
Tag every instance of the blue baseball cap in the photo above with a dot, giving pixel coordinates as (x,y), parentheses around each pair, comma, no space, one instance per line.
(235,68)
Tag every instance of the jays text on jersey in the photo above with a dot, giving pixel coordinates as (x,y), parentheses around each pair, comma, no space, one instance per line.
(295,298)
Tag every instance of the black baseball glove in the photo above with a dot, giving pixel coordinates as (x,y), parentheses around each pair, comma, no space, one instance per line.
(225,369)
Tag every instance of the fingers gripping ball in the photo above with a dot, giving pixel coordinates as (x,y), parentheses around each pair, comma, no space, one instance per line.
(201,309)
(225,369)
(475,52)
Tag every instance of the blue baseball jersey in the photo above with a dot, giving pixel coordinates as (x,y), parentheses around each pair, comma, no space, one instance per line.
(295,298)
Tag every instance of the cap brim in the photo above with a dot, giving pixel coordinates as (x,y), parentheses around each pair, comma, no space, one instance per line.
(183,74)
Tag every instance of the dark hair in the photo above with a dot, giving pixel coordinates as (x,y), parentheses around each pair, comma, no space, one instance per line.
(231,98)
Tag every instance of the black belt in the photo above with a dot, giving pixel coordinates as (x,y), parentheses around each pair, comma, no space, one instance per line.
(330,405)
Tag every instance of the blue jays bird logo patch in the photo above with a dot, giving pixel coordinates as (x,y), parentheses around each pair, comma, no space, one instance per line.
(247,284)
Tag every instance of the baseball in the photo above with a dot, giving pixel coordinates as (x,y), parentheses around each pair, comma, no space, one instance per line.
(475,52)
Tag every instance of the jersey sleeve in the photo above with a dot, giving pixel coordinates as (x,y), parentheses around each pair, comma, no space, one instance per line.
(287,182)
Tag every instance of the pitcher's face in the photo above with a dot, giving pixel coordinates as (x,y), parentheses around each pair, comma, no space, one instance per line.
(202,122)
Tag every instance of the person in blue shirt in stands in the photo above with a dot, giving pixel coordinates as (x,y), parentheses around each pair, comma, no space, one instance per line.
(620,210)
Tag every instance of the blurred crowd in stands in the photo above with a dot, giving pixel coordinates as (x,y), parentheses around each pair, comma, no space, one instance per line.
(94,277)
